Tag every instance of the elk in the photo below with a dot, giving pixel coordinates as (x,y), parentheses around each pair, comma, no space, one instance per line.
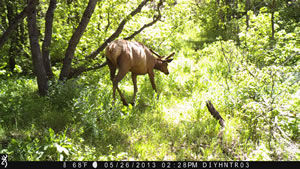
(134,57)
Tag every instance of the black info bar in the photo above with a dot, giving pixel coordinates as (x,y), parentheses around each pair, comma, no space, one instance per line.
(149,164)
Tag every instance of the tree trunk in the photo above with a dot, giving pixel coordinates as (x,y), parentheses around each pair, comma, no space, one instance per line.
(229,10)
(13,43)
(47,38)
(3,24)
(273,27)
(247,6)
(272,20)
(37,59)
(12,26)
(236,16)
(75,39)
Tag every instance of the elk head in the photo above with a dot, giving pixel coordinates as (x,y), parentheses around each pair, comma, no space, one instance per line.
(162,62)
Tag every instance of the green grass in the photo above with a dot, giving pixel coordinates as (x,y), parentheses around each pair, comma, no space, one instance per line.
(76,121)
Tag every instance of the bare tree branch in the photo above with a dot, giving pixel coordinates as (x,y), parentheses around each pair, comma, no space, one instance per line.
(76,72)
(118,31)
(108,22)
(155,19)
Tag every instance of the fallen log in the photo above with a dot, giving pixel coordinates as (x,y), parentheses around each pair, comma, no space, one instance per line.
(215,113)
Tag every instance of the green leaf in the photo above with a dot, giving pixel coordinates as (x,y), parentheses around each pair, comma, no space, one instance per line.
(61,149)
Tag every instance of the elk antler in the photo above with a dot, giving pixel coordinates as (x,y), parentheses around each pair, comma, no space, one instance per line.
(156,54)
(173,53)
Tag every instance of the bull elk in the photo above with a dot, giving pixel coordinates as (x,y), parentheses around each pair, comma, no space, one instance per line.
(129,56)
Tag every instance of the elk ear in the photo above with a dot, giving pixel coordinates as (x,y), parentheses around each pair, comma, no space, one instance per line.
(169,60)
(168,57)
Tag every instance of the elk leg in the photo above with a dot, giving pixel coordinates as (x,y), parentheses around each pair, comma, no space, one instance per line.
(116,80)
(112,69)
(134,87)
(151,77)
(122,97)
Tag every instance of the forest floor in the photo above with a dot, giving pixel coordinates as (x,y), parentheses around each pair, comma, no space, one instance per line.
(76,121)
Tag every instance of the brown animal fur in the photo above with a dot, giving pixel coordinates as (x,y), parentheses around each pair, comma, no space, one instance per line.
(129,56)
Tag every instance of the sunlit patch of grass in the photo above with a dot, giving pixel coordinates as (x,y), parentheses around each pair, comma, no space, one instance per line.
(232,129)
(178,111)
(261,154)
(146,137)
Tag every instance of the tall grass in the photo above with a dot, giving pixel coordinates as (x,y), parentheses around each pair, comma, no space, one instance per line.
(76,120)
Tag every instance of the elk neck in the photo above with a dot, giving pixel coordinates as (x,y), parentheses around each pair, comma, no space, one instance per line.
(158,65)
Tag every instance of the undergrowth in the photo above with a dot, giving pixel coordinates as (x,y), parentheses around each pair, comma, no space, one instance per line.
(76,120)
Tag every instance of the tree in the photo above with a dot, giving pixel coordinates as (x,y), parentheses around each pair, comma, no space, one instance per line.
(12,26)
(247,8)
(13,50)
(273,8)
(75,39)
(48,37)
(42,64)
(81,69)
(37,59)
